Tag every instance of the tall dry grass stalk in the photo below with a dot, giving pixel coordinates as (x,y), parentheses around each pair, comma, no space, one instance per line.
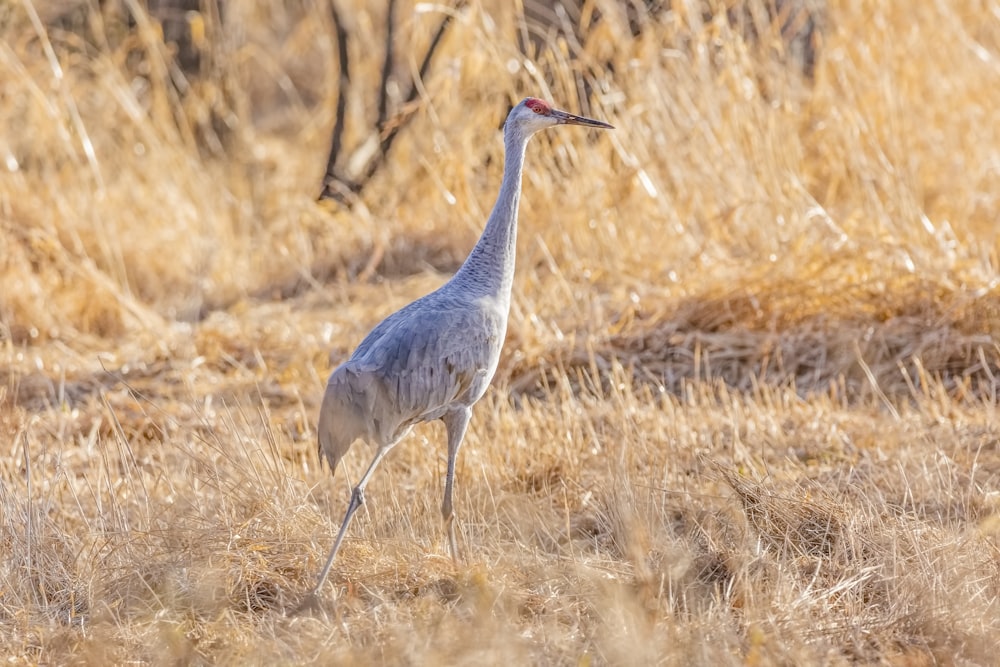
(747,408)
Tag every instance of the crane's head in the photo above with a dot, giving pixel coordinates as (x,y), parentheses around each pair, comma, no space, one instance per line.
(533,114)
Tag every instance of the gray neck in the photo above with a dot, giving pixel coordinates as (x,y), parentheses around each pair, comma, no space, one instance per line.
(489,269)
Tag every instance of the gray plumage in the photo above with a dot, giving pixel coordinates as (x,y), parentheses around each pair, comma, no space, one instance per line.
(434,358)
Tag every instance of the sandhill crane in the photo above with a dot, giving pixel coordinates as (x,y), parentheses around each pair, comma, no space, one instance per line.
(434,358)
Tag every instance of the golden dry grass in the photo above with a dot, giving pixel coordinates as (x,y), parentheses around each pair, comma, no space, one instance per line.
(747,409)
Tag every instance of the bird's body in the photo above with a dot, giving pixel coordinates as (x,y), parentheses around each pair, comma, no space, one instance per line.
(407,372)
(435,358)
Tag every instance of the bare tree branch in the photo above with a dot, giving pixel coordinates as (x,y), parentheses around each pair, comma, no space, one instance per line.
(388,131)
(341,188)
(338,124)
(390,60)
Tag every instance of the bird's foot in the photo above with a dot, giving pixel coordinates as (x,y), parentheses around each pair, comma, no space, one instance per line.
(310,606)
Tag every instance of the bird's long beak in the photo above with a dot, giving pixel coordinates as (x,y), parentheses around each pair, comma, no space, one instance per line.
(565,118)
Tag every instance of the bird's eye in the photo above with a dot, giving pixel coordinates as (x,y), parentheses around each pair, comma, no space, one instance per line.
(537,109)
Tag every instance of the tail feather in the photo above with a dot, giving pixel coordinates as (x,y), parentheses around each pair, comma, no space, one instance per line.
(340,423)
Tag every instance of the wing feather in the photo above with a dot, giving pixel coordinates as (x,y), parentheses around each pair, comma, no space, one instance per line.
(430,357)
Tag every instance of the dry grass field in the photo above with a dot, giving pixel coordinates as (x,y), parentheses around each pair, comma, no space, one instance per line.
(747,408)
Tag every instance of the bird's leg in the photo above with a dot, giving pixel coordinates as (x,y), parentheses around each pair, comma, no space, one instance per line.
(357,500)
(456,422)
